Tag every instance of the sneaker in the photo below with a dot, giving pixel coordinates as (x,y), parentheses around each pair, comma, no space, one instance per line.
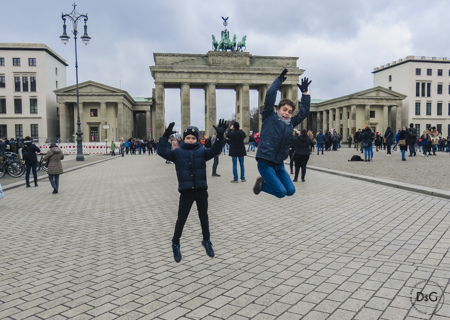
(55,190)
(208,247)
(295,180)
(234,181)
(256,187)
(243,180)
(176,252)
(215,175)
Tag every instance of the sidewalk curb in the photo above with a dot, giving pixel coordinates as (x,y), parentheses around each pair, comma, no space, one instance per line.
(22,183)
(395,184)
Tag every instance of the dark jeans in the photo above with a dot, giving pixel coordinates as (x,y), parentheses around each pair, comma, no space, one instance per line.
(128,149)
(54,180)
(300,162)
(122,151)
(113,153)
(412,149)
(215,164)
(27,174)
(187,198)
(388,149)
(291,159)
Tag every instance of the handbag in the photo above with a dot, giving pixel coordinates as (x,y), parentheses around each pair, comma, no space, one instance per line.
(402,143)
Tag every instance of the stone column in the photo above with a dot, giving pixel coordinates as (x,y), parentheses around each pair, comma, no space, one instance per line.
(319,121)
(210,108)
(62,123)
(367,115)
(385,119)
(103,120)
(185,95)
(262,91)
(330,119)
(344,124)
(148,122)
(352,119)
(245,109)
(160,125)
(121,120)
(398,118)
(325,121)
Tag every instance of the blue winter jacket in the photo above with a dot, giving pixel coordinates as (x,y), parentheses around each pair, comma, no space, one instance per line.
(275,135)
(190,162)
(320,139)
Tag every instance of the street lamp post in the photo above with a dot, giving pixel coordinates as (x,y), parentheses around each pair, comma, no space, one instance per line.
(74,16)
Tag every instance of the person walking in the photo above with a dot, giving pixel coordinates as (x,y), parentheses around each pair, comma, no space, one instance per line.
(389,136)
(403,142)
(320,140)
(54,165)
(301,145)
(235,139)
(122,148)
(113,148)
(412,138)
(349,141)
(396,141)
(29,155)
(127,146)
(357,138)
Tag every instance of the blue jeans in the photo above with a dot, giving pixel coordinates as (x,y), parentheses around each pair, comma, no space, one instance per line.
(403,153)
(371,151)
(277,181)
(320,146)
(366,153)
(241,164)
(54,180)
(434,148)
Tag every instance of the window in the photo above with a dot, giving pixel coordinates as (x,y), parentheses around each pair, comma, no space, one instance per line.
(56,85)
(334,116)
(418,71)
(3,106)
(33,84)
(439,128)
(428,126)
(417,109)
(19,131)
(418,89)
(418,129)
(429,72)
(340,116)
(440,72)
(428,108)
(94,112)
(390,78)
(33,105)
(423,89)
(94,134)
(2,61)
(32,62)
(390,88)
(439,109)
(428,89)
(3,131)
(18,105)
(3,84)
(25,83)
(439,88)
(372,114)
(17,84)
(16,61)
(56,71)
(449,109)
(34,132)
(448,130)
(348,115)
(449,89)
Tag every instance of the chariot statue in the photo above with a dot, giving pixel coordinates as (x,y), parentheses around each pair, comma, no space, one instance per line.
(225,43)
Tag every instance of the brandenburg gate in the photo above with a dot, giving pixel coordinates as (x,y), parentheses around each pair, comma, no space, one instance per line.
(215,70)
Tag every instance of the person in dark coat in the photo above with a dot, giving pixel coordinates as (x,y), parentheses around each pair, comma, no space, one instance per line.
(2,147)
(412,138)
(276,132)
(29,155)
(403,135)
(366,143)
(389,136)
(301,145)
(54,165)
(190,163)
(320,140)
(235,139)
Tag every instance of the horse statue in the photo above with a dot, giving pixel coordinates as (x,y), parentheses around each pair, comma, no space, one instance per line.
(241,44)
(215,44)
(233,44)
(225,43)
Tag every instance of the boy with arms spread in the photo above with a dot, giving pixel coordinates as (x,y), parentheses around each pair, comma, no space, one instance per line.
(276,131)
(190,163)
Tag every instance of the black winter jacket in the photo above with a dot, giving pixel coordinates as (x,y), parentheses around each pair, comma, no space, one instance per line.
(301,145)
(190,162)
(235,139)
(32,149)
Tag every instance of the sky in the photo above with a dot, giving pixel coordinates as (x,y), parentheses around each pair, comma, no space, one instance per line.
(338,43)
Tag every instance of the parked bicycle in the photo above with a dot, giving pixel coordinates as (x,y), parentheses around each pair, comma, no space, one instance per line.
(10,165)
(41,164)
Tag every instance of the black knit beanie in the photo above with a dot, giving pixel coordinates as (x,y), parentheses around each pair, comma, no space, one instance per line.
(190,130)
(236,125)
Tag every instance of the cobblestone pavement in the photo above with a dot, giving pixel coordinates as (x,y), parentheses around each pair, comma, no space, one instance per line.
(338,249)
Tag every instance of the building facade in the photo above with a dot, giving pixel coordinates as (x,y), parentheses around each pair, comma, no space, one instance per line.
(29,72)
(426,83)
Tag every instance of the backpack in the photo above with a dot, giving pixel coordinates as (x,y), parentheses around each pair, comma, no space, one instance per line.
(356,158)
(412,133)
(26,154)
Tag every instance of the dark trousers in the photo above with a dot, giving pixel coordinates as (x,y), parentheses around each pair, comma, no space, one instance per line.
(27,174)
(300,162)
(54,180)
(388,149)
(215,164)
(291,159)
(128,149)
(187,198)
(412,149)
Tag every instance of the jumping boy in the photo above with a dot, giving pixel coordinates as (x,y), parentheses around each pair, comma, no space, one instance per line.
(190,163)
(276,131)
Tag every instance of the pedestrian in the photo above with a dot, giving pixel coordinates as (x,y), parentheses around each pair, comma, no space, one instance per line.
(190,164)
(29,155)
(366,143)
(20,147)
(150,146)
(276,130)
(113,148)
(434,140)
(378,141)
(2,147)
(403,142)
(122,148)
(13,146)
(412,138)
(349,141)
(396,141)
(235,139)
(389,137)
(54,165)
(426,143)
(127,146)
(216,158)
(335,140)
(320,140)
(291,151)
(357,139)
(301,145)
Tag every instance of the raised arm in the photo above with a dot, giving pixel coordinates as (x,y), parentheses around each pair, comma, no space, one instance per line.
(303,108)
(271,95)
(216,148)
(162,145)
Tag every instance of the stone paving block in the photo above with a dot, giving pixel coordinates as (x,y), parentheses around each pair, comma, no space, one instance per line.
(368,314)
(340,314)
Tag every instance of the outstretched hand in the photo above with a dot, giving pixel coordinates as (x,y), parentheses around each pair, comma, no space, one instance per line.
(169,131)
(283,75)
(303,86)
(221,127)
